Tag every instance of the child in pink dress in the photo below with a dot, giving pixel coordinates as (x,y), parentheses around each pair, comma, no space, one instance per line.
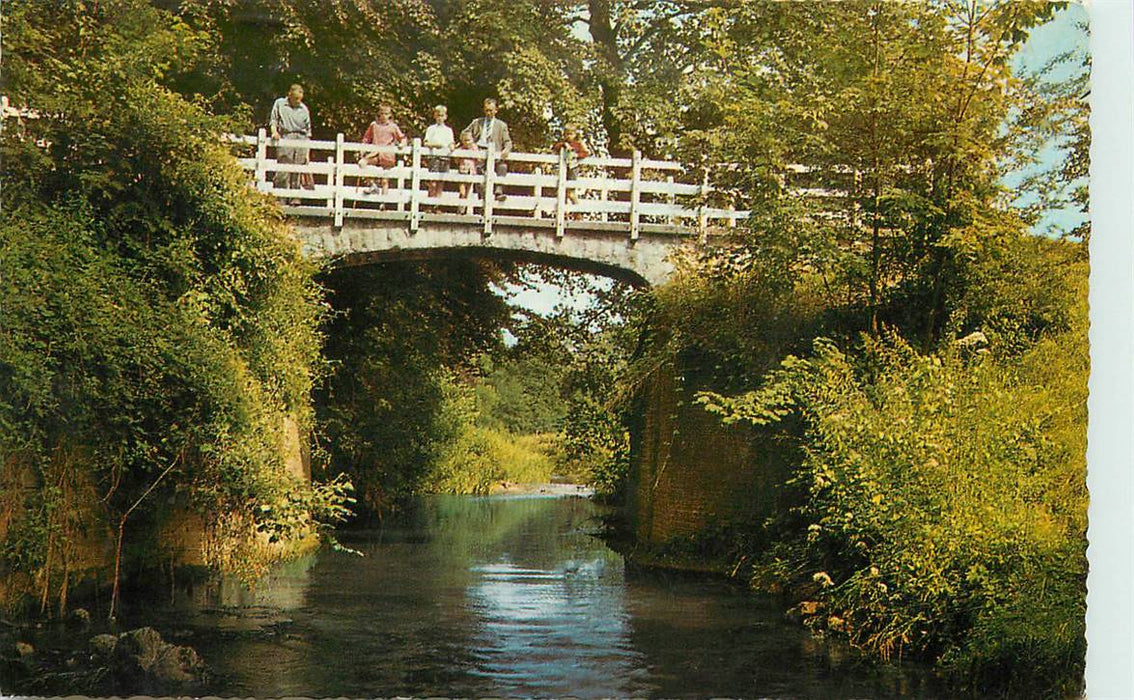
(383,131)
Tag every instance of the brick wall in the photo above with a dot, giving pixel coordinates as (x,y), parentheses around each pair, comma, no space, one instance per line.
(690,474)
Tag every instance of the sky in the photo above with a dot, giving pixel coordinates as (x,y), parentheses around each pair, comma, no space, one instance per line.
(1053,38)
(1064,32)
(545,297)
(1044,43)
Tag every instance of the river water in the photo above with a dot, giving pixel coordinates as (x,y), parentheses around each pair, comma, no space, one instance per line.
(507,595)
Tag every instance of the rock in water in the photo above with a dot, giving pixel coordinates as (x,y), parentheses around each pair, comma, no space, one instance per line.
(136,652)
(17,660)
(78,619)
(102,645)
(141,656)
(177,664)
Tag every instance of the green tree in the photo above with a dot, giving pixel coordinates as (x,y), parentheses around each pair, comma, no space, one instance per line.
(521,386)
(1054,115)
(351,55)
(164,325)
(894,113)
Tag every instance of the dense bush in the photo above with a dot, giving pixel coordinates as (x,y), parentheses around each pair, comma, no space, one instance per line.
(941,499)
(158,320)
(476,458)
(481,458)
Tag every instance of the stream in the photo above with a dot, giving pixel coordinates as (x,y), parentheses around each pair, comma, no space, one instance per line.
(502,595)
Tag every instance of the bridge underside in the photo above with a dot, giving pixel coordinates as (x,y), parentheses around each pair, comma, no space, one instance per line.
(645,261)
(481,252)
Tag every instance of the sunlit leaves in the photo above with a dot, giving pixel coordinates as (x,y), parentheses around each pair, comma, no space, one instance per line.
(938,493)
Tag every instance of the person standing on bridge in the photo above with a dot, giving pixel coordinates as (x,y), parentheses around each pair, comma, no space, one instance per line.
(467,166)
(575,150)
(488,130)
(439,139)
(290,121)
(383,131)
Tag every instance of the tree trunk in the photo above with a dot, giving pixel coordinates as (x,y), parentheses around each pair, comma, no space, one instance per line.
(875,237)
(937,302)
(117,568)
(122,531)
(611,73)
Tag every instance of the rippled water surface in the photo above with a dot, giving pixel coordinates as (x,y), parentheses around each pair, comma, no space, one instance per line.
(507,596)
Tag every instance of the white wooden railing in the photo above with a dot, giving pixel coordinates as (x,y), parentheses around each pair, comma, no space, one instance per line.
(615,194)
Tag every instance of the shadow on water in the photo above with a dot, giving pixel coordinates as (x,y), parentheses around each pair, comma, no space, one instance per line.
(502,595)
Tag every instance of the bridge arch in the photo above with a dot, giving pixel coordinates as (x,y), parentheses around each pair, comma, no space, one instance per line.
(647,261)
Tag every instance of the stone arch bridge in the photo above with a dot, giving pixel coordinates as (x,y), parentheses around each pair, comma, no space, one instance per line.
(631,213)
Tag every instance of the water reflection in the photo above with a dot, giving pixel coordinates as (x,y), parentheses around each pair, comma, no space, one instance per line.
(508,596)
(553,632)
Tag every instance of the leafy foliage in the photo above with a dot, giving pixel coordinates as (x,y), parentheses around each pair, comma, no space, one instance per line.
(352,55)
(520,388)
(398,331)
(1053,114)
(933,352)
(595,439)
(157,317)
(478,458)
(895,115)
(942,500)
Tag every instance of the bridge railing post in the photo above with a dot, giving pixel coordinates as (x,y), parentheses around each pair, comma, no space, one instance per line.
(340,179)
(398,165)
(489,182)
(262,160)
(670,199)
(561,194)
(537,193)
(331,185)
(702,215)
(635,192)
(604,195)
(415,186)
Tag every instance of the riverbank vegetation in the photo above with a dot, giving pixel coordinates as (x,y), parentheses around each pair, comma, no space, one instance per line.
(160,330)
(940,503)
(922,350)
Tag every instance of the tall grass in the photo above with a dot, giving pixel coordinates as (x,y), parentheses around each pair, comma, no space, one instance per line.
(480,458)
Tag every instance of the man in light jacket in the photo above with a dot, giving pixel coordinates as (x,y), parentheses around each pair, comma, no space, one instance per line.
(490,130)
(290,121)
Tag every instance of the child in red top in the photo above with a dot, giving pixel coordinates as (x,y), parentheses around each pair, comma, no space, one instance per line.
(383,131)
(576,151)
